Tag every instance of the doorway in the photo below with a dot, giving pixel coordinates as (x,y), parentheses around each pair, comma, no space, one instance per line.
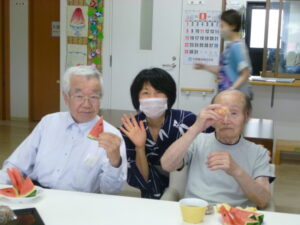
(44,58)
(4,61)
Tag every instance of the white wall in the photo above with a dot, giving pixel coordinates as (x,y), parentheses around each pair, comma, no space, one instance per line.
(19,58)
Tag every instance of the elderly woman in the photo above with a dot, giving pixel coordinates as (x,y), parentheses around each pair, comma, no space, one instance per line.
(58,154)
(223,166)
(148,134)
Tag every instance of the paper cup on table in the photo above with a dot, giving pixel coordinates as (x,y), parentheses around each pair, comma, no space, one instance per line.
(193,209)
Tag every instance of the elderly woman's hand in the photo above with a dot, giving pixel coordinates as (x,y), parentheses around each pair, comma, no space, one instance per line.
(134,131)
(111,144)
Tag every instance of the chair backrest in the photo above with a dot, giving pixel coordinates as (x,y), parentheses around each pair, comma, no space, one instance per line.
(178,180)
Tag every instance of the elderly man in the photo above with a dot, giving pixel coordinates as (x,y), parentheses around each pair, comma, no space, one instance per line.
(223,166)
(58,154)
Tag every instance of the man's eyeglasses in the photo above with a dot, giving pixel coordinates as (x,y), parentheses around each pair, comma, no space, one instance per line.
(94,99)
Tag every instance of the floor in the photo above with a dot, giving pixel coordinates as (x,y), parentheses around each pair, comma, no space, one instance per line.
(286,188)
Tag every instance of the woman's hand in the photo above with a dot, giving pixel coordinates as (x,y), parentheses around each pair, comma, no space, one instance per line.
(200,66)
(134,131)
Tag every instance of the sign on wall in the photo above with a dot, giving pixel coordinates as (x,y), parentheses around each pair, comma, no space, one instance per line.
(201,35)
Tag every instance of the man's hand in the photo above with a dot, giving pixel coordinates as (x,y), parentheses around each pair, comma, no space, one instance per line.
(207,117)
(223,161)
(134,131)
(111,144)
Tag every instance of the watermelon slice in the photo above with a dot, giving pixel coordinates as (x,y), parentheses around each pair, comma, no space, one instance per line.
(243,219)
(239,216)
(21,187)
(250,214)
(27,189)
(227,217)
(9,192)
(12,178)
(96,130)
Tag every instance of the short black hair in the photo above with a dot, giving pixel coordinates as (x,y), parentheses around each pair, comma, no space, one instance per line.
(233,18)
(247,106)
(159,79)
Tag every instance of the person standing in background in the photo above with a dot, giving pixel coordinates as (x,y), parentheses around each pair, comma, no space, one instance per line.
(235,66)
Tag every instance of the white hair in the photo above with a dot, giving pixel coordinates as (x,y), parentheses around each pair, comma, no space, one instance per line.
(84,71)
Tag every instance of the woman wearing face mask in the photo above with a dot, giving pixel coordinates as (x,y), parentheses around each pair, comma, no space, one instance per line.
(149,133)
(235,67)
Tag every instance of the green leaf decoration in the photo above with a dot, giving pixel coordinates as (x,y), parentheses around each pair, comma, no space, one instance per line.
(100,35)
(96,61)
(100,19)
(93,27)
(91,12)
(100,9)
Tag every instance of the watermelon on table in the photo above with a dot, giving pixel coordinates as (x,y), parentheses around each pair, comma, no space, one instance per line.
(96,130)
(12,178)
(241,219)
(239,216)
(21,187)
(9,192)
(250,214)
(227,217)
(27,189)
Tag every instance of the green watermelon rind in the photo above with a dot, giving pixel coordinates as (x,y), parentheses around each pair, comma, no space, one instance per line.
(92,137)
(31,194)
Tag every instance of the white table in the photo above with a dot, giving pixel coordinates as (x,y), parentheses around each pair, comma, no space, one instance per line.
(75,208)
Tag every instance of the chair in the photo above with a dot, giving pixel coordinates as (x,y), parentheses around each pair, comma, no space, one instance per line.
(178,180)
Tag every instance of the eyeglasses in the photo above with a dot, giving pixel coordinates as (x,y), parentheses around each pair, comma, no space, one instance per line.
(94,99)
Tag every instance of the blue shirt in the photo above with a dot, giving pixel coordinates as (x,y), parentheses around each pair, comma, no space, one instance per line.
(234,59)
(58,154)
(175,125)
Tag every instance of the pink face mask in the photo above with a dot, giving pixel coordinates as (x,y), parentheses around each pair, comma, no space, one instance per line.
(153,107)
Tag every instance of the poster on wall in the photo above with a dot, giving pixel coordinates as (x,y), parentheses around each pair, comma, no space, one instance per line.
(77,55)
(201,35)
(77,21)
(85,20)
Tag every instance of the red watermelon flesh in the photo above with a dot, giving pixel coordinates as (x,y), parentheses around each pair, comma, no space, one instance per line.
(27,188)
(9,192)
(242,219)
(253,215)
(96,130)
(12,178)
(237,216)
(19,178)
(227,217)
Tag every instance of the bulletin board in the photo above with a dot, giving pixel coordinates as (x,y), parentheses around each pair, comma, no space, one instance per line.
(84,32)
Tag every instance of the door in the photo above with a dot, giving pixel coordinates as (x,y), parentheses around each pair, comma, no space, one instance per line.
(4,61)
(43,59)
(144,35)
(1,61)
